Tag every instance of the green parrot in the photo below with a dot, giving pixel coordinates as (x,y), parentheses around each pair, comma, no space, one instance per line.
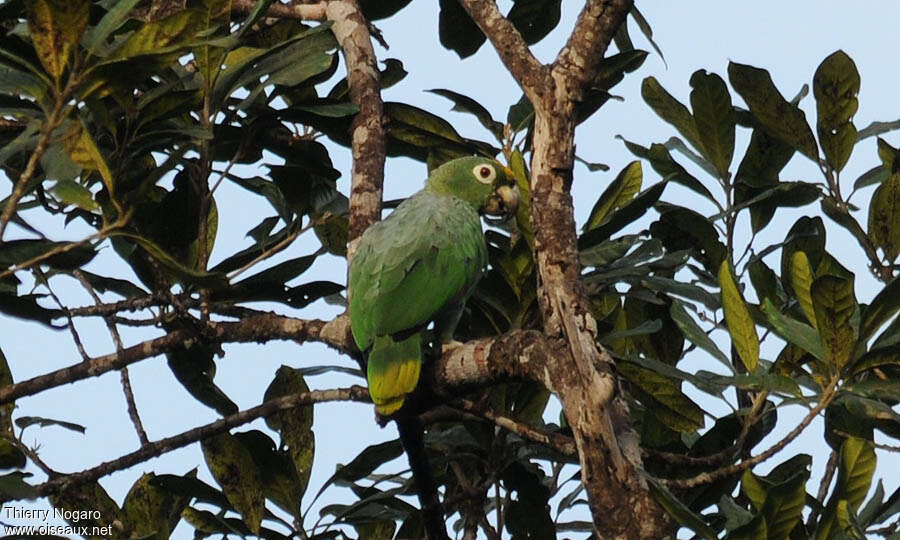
(419,265)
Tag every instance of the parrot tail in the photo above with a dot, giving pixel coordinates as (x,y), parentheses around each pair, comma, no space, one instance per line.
(393,371)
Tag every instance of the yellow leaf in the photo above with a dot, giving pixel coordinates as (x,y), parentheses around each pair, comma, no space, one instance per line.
(737,316)
(55,26)
(801,280)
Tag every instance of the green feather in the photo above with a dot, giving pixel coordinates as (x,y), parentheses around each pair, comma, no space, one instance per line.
(418,265)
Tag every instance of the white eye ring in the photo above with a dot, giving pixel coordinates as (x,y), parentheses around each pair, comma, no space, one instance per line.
(484,173)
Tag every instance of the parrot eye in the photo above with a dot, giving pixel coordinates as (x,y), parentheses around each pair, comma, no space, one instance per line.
(484,173)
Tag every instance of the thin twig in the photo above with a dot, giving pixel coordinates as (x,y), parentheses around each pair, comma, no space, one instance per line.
(162,446)
(562,444)
(32,454)
(65,311)
(132,304)
(724,472)
(285,242)
(117,341)
(830,467)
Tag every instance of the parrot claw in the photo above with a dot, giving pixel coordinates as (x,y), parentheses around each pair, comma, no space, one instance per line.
(450,346)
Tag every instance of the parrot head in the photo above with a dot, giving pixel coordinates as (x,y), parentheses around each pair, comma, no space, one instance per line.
(482,182)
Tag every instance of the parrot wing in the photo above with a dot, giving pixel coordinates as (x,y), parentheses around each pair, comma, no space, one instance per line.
(427,255)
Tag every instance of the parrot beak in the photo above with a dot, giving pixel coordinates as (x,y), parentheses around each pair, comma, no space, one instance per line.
(503,202)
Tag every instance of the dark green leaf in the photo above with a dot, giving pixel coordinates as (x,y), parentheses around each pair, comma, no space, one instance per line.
(466,104)
(793,331)
(632,211)
(195,369)
(619,193)
(781,119)
(150,512)
(457,31)
(714,119)
(835,86)
(534,19)
(884,217)
(671,110)
(231,464)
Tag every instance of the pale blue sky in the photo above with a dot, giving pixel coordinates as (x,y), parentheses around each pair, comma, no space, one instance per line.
(788,38)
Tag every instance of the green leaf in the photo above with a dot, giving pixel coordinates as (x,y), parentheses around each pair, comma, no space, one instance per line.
(877,357)
(378,530)
(466,104)
(882,308)
(834,303)
(884,217)
(71,192)
(677,509)
(632,211)
(110,22)
(780,118)
(669,404)
(671,110)
(714,119)
(664,164)
(11,457)
(24,421)
(55,26)
(835,86)
(856,465)
(282,484)
(159,36)
(683,229)
(88,499)
(806,235)
(792,331)
(784,505)
(294,425)
(457,31)
(694,333)
(231,464)
(875,175)
(802,279)
(14,487)
(617,194)
(6,409)
(150,512)
(740,325)
(214,18)
(534,19)
(66,255)
(195,369)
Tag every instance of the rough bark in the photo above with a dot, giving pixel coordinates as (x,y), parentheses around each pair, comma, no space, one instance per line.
(368,133)
(579,373)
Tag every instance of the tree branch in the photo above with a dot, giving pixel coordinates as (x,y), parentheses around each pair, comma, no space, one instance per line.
(260,328)
(368,131)
(596,25)
(291,10)
(162,446)
(531,75)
